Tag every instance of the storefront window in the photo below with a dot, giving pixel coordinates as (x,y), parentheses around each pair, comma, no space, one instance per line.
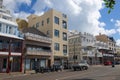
(4,63)
(43,63)
(27,64)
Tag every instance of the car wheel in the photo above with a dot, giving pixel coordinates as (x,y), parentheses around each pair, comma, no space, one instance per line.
(74,69)
(84,68)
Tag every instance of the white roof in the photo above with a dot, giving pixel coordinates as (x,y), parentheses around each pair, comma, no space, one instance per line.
(8,22)
(9,35)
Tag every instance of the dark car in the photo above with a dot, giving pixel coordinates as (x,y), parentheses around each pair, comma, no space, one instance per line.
(56,67)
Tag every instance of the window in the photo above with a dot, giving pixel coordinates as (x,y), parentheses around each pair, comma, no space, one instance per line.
(10,30)
(37,25)
(42,23)
(4,17)
(64,15)
(4,63)
(48,20)
(0,27)
(27,66)
(56,20)
(56,33)
(0,45)
(64,36)
(48,33)
(15,30)
(65,49)
(7,28)
(56,46)
(64,24)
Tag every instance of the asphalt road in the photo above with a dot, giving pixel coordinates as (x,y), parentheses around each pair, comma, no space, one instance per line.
(93,73)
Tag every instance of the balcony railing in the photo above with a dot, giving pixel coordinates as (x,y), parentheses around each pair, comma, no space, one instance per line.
(35,37)
(42,52)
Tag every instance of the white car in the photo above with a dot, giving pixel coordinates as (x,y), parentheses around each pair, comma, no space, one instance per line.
(83,65)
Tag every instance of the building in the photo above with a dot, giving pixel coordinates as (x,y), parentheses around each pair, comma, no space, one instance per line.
(37,50)
(108,54)
(82,47)
(88,48)
(54,25)
(117,55)
(75,54)
(99,47)
(11,43)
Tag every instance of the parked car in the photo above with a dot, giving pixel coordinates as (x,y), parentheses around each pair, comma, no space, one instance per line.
(83,65)
(56,67)
(117,62)
(108,63)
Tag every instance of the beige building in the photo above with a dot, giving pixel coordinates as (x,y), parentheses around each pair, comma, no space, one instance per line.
(37,50)
(54,25)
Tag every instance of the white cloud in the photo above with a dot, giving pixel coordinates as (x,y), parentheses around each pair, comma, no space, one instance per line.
(110,32)
(22,15)
(13,6)
(102,24)
(112,20)
(83,15)
(117,23)
(118,42)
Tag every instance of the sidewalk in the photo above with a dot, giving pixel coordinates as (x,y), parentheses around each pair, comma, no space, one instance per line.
(9,75)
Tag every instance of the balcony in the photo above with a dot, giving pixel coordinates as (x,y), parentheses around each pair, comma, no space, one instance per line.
(39,38)
(42,53)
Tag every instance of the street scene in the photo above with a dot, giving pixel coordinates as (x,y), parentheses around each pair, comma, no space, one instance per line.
(59,40)
(97,72)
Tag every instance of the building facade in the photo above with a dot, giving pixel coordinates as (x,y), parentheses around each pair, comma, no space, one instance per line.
(38,51)
(11,43)
(108,54)
(54,25)
(88,48)
(75,54)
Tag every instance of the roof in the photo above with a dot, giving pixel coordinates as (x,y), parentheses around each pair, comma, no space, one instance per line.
(33,30)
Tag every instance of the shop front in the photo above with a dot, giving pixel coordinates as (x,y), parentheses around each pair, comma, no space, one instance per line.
(10,54)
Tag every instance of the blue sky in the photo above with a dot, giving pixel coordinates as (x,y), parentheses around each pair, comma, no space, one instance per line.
(83,15)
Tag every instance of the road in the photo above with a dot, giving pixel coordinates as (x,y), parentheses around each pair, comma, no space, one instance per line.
(93,73)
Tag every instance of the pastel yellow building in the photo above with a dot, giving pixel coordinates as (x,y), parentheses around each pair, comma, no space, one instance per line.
(54,25)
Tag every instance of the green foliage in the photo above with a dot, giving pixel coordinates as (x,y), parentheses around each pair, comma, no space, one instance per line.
(109,4)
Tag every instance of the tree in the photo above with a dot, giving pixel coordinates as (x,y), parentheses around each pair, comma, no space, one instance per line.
(109,4)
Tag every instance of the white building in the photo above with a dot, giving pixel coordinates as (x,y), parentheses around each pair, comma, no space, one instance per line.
(10,42)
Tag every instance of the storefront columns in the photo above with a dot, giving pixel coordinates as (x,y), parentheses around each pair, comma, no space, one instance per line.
(21,58)
(8,66)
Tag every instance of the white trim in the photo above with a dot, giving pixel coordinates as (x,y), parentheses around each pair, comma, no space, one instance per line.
(16,54)
(8,22)
(9,35)
(4,53)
